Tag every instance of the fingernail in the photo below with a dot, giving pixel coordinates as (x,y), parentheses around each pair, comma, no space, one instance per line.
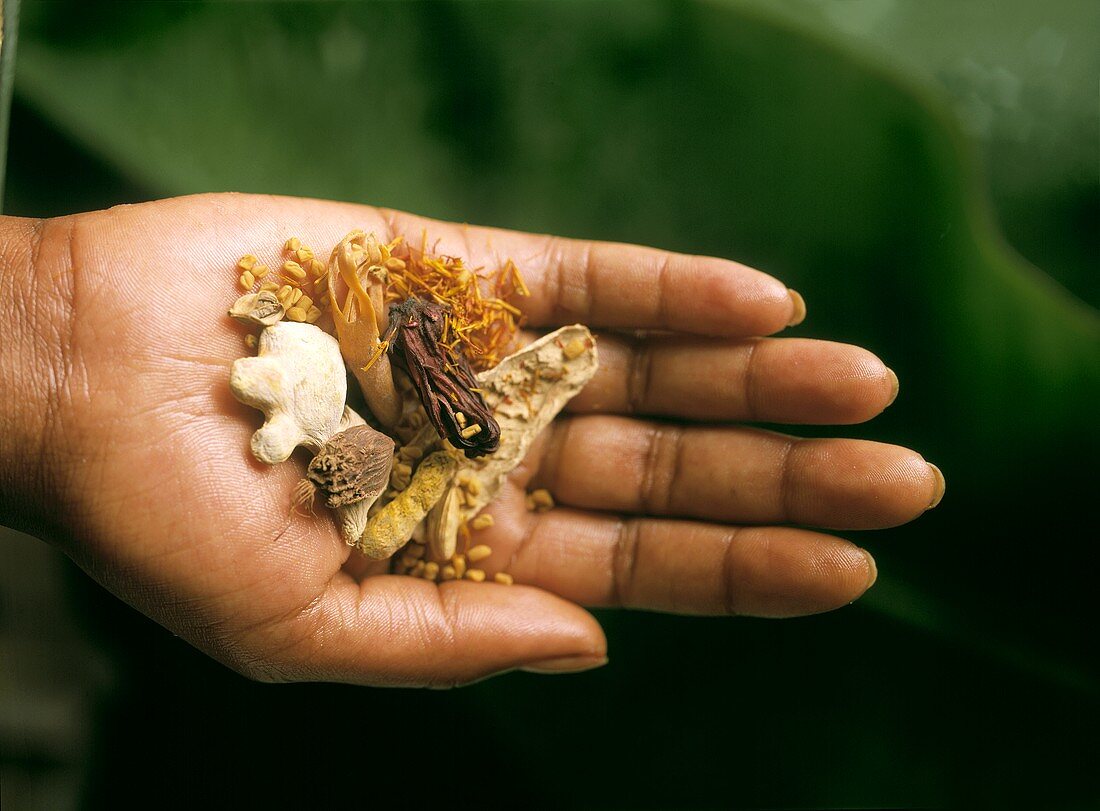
(872,569)
(799,314)
(895,384)
(941,486)
(566,664)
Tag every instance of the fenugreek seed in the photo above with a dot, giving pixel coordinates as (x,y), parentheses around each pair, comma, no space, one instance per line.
(447,572)
(259,271)
(294,269)
(411,452)
(460,418)
(304,255)
(472,430)
(247,280)
(403,469)
(250,341)
(483,521)
(476,575)
(473,485)
(459,562)
(479,552)
(393,263)
(573,349)
(418,569)
(292,245)
(295,297)
(305,302)
(296,314)
(470,499)
(313,314)
(283,293)
(246,262)
(271,287)
(408,561)
(504,578)
(317,268)
(541,500)
(416,549)
(431,570)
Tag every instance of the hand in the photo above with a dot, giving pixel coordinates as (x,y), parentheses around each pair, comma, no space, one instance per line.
(145,477)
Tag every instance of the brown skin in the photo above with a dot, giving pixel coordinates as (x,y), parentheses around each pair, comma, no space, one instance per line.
(121,444)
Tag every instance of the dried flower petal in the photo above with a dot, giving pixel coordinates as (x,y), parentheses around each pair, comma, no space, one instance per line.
(443,378)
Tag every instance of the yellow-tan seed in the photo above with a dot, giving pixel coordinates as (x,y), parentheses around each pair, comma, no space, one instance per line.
(504,578)
(284,291)
(250,341)
(469,498)
(416,549)
(541,500)
(313,314)
(292,245)
(247,280)
(294,269)
(483,521)
(460,418)
(477,575)
(573,349)
(403,469)
(393,263)
(259,271)
(295,297)
(411,452)
(317,268)
(447,572)
(246,262)
(271,287)
(479,552)
(473,485)
(431,570)
(459,562)
(304,254)
(409,560)
(418,569)
(472,430)
(296,314)
(304,301)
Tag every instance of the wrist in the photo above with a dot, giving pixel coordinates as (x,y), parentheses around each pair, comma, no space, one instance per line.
(35,279)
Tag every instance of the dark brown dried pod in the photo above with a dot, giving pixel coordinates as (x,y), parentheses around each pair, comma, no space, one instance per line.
(352,466)
(442,377)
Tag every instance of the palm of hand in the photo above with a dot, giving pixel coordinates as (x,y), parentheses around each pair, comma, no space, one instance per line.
(169,510)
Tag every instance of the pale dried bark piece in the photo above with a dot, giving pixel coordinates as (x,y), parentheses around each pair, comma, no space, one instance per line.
(391,527)
(525,391)
(297,379)
(360,325)
(261,309)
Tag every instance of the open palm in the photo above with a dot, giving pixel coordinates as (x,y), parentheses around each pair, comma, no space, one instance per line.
(664,504)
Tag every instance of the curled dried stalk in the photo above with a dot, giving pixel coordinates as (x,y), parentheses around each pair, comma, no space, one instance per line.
(362,320)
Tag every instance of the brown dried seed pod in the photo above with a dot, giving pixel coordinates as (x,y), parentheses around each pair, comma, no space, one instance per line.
(352,466)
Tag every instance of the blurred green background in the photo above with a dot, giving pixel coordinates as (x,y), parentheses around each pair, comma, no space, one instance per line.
(925,173)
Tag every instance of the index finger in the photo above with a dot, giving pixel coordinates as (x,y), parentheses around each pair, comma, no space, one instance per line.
(611,285)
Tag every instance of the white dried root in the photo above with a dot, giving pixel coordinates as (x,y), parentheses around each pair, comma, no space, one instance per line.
(525,391)
(297,379)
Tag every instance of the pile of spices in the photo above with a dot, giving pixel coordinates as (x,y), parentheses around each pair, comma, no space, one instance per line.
(456,414)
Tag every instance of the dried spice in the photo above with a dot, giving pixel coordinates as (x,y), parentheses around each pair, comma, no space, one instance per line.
(442,377)
(352,466)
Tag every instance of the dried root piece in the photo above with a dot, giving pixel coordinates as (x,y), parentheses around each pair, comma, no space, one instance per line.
(391,527)
(362,320)
(260,309)
(298,381)
(525,391)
